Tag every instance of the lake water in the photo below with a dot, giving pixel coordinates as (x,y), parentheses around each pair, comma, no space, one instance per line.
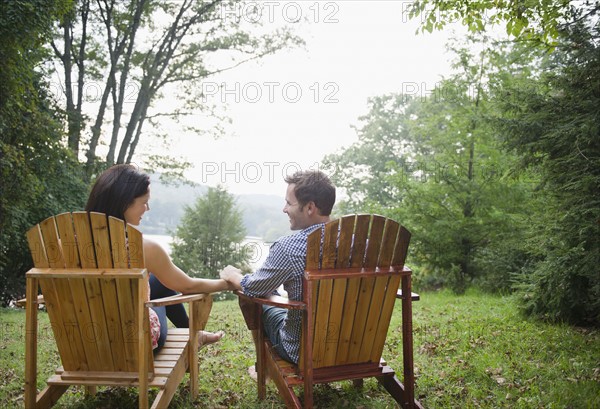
(257,247)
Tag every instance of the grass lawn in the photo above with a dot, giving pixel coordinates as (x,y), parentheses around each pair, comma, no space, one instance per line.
(471,351)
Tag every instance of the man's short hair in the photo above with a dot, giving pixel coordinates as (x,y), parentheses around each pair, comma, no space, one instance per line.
(313,186)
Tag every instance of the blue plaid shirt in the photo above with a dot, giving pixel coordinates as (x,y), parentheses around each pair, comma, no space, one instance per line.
(285,265)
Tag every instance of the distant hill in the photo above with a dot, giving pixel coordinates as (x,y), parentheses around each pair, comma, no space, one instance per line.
(262,214)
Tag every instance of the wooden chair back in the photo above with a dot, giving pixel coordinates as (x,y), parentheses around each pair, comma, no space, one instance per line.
(353,271)
(354,268)
(90,269)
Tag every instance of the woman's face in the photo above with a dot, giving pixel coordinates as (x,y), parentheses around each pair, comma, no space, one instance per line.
(135,211)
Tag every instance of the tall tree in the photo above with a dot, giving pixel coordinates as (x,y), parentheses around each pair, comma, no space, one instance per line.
(131,53)
(433,162)
(38,176)
(554,126)
(551,119)
(210,235)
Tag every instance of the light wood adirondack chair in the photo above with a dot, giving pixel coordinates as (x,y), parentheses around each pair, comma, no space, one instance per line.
(351,282)
(90,269)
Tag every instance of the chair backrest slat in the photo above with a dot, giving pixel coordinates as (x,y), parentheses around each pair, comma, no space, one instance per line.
(334,321)
(373,317)
(385,318)
(61,327)
(135,248)
(37,247)
(118,242)
(52,243)
(365,293)
(345,242)
(117,336)
(85,241)
(100,330)
(127,290)
(388,244)
(374,241)
(313,252)
(401,249)
(68,243)
(359,245)
(85,322)
(135,258)
(322,292)
(329,249)
(101,240)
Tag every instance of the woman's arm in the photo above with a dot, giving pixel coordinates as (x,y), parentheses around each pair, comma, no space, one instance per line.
(160,264)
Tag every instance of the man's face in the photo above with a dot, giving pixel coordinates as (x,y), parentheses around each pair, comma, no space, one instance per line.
(298,216)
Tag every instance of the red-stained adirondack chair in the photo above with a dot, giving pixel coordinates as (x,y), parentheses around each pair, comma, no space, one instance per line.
(90,270)
(351,282)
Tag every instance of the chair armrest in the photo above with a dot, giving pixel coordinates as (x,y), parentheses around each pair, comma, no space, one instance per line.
(175,299)
(274,300)
(413,296)
(23,301)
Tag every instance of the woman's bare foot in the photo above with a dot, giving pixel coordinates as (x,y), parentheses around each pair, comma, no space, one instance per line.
(207,338)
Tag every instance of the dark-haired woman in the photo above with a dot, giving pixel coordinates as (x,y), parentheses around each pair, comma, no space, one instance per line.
(124,192)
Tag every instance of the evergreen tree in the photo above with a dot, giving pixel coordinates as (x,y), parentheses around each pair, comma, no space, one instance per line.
(210,235)
(554,124)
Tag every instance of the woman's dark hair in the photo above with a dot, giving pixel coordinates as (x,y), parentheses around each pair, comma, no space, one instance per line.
(116,189)
(313,186)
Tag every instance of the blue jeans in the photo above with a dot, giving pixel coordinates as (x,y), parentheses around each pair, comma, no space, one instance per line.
(176,313)
(162,318)
(273,321)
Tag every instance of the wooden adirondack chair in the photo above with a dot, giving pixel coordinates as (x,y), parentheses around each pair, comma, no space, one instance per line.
(90,269)
(349,289)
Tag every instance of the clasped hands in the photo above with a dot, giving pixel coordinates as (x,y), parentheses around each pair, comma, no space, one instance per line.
(233,276)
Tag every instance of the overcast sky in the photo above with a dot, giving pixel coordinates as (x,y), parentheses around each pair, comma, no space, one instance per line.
(291,109)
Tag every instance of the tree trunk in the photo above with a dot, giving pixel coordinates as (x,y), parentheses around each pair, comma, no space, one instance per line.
(138,133)
(73,137)
(128,39)
(91,153)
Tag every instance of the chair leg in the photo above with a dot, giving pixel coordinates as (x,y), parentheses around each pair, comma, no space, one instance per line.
(407,339)
(395,388)
(196,313)
(49,396)
(251,312)
(286,391)
(91,390)
(261,367)
(31,325)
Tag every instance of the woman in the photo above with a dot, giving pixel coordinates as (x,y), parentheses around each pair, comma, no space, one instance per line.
(124,192)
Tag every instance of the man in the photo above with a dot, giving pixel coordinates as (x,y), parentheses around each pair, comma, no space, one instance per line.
(308,202)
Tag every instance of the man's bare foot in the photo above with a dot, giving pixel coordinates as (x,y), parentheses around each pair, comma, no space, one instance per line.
(254,375)
(252,372)
(207,338)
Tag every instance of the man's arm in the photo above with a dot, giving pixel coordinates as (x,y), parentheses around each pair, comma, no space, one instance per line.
(233,276)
